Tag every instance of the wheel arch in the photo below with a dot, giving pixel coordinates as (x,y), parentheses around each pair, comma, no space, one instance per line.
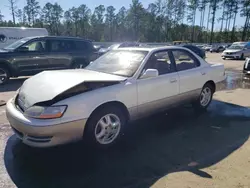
(211,82)
(118,104)
(5,64)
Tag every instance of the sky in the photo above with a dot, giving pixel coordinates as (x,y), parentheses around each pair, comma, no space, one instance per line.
(66,4)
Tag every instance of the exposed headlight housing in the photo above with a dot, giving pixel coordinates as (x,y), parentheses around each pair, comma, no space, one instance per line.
(41,112)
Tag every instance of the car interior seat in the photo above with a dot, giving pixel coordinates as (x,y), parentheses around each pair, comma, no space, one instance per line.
(39,47)
(162,65)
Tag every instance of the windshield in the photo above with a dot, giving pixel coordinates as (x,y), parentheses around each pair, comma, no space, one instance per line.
(236,47)
(16,44)
(120,62)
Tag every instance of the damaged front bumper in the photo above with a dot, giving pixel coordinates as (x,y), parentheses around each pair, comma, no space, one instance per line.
(43,133)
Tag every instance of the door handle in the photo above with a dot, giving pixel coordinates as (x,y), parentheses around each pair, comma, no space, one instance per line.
(203,73)
(173,80)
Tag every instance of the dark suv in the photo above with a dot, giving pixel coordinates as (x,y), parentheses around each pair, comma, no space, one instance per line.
(32,55)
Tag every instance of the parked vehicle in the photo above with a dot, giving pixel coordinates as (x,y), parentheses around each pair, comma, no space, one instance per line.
(200,52)
(207,48)
(31,55)
(181,42)
(246,67)
(217,49)
(97,102)
(201,46)
(238,50)
(116,46)
(8,35)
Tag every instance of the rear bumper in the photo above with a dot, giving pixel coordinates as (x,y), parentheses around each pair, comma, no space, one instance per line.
(49,135)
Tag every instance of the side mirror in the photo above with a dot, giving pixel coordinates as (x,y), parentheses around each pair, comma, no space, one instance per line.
(150,73)
(23,49)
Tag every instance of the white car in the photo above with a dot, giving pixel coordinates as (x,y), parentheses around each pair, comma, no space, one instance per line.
(57,107)
(207,47)
(238,50)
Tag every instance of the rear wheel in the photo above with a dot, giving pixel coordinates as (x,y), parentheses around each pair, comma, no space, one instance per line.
(105,127)
(242,57)
(205,98)
(79,65)
(4,75)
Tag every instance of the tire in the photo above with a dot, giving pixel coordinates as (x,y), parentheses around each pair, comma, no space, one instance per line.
(100,135)
(242,57)
(223,58)
(4,75)
(79,65)
(201,104)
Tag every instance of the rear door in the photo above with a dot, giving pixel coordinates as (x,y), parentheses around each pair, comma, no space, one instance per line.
(84,52)
(192,76)
(60,51)
(34,59)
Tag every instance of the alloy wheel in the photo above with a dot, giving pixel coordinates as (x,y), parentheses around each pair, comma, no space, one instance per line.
(107,129)
(3,76)
(205,97)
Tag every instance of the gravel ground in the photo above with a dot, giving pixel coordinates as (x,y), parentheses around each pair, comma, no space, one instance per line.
(177,149)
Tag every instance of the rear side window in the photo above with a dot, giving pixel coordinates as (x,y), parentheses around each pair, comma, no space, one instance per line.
(184,60)
(62,45)
(83,46)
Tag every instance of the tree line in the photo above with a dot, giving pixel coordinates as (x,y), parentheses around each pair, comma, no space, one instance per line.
(161,21)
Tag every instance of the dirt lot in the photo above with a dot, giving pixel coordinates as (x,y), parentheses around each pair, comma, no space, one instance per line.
(179,149)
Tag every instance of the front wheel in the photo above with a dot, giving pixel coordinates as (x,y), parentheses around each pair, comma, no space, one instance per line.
(4,75)
(105,127)
(204,99)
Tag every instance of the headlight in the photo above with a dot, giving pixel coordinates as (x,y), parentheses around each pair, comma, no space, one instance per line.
(41,112)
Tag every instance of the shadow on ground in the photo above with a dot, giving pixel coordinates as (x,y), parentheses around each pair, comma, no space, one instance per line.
(12,85)
(151,149)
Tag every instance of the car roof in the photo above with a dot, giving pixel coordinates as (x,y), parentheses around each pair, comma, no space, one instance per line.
(150,48)
(240,43)
(59,37)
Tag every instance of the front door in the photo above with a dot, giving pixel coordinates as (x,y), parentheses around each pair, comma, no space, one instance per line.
(156,94)
(33,59)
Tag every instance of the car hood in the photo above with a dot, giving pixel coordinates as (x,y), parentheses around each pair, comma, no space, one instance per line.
(232,50)
(103,50)
(4,52)
(47,85)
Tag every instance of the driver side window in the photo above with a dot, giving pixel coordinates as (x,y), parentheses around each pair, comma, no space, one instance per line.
(161,62)
(36,46)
